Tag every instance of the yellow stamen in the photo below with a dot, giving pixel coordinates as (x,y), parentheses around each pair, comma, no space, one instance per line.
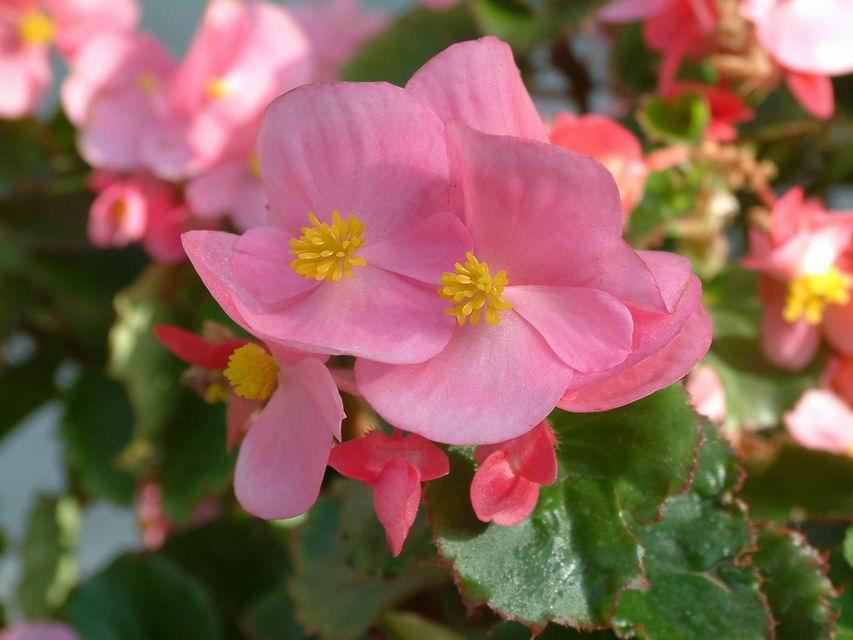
(217,88)
(118,210)
(810,294)
(472,289)
(216,392)
(255,165)
(328,250)
(148,83)
(252,372)
(36,28)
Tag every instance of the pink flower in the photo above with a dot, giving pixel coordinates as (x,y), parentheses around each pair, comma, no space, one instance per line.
(336,30)
(707,394)
(358,171)
(822,420)
(810,41)
(570,313)
(29,27)
(283,456)
(505,488)
(39,631)
(675,28)
(806,280)
(244,55)
(394,466)
(611,144)
(840,377)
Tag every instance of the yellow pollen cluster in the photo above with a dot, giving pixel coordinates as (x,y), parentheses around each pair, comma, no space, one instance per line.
(217,88)
(328,250)
(118,210)
(36,28)
(254,166)
(810,294)
(252,372)
(148,83)
(472,289)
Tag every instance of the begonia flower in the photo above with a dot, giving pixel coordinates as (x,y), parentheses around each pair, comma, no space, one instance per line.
(39,631)
(707,394)
(570,312)
(244,55)
(394,466)
(822,420)
(611,144)
(336,29)
(28,28)
(283,455)
(360,228)
(806,280)
(839,377)
(505,488)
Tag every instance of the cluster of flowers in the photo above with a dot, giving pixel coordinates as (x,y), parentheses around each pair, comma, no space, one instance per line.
(475,270)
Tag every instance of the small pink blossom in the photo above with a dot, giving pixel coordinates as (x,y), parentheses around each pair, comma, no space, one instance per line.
(822,420)
(39,631)
(707,394)
(806,279)
(505,488)
(573,315)
(28,28)
(395,466)
(611,144)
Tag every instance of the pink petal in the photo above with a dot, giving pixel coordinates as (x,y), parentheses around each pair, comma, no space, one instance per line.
(115,130)
(838,327)
(396,496)
(345,379)
(478,83)
(531,455)
(194,349)
(489,384)
(631,10)
(371,150)
(545,214)
(364,458)
(788,345)
(25,77)
(814,92)
(589,330)
(119,215)
(283,459)
(38,631)
(822,420)
(665,349)
(672,274)
(229,188)
(238,419)
(499,495)
(804,35)
(79,21)
(707,394)
(261,266)
(628,278)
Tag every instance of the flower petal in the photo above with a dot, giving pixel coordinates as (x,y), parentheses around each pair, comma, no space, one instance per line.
(545,214)
(822,420)
(478,83)
(489,384)
(364,458)
(367,149)
(500,495)
(838,326)
(788,345)
(814,92)
(396,497)
(589,330)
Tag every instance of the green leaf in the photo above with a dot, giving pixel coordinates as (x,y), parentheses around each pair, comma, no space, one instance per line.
(795,583)
(25,386)
(96,427)
(570,561)
(408,43)
(797,483)
(49,569)
(143,597)
(405,625)
(848,546)
(273,618)
(239,561)
(23,158)
(699,585)
(680,120)
(341,550)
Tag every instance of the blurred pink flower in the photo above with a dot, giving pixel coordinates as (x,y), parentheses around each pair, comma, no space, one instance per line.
(394,466)
(806,279)
(707,394)
(27,30)
(505,488)
(839,377)
(576,315)
(369,160)
(611,144)
(822,420)
(39,631)
(336,29)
